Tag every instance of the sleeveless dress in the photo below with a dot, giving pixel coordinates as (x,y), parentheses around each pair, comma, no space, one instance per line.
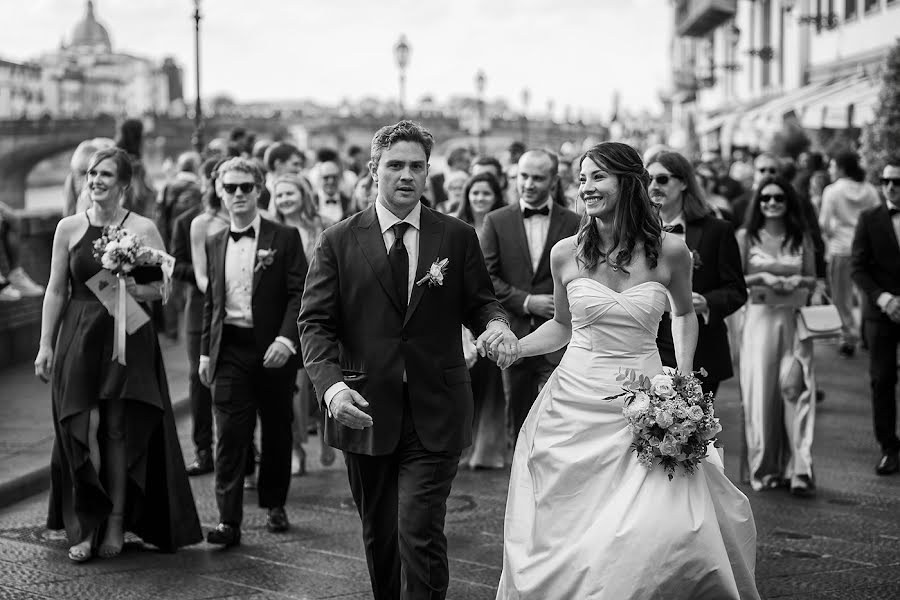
(159,503)
(779,435)
(583,518)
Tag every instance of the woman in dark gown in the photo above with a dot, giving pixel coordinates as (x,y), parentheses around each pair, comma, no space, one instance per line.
(116,463)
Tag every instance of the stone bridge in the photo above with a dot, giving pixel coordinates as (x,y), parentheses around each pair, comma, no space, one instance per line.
(24,144)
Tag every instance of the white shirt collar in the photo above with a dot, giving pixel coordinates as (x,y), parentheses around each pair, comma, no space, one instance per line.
(387,219)
(679,220)
(254,224)
(523,205)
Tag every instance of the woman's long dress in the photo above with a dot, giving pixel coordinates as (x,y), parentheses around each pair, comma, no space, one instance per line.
(159,503)
(779,434)
(584,519)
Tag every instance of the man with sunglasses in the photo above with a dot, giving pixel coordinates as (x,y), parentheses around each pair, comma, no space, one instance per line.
(875,268)
(249,348)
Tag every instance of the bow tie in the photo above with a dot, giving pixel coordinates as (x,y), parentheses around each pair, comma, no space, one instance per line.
(677,228)
(330,201)
(236,235)
(530,212)
(893,210)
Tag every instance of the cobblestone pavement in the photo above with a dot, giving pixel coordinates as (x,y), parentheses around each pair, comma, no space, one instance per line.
(843,544)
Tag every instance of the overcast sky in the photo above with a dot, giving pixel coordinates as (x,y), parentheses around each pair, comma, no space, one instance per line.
(577,52)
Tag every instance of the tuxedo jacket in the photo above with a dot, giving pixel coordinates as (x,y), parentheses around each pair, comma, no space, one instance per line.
(875,261)
(719,276)
(277,290)
(352,323)
(184,269)
(508,260)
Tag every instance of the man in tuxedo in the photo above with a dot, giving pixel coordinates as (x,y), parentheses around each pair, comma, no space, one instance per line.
(200,396)
(333,204)
(516,243)
(875,264)
(380,331)
(718,279)
(248,349)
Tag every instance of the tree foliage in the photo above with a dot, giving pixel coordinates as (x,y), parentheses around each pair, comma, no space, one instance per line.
(881,139)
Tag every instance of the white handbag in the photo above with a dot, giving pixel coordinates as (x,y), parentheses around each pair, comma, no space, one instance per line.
(818,322)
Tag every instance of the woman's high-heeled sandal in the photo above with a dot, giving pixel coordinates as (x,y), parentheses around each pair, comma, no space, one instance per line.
(83,551)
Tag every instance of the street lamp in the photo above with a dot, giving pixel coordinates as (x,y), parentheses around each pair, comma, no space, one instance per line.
(401,56)
(526,98)
(197,138)
(480,82)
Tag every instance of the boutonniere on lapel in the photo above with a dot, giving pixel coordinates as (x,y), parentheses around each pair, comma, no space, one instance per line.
(696,260)
(264,258)
(435,275)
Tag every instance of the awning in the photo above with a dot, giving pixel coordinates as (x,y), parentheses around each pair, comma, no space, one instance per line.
(772,113)
(848,104)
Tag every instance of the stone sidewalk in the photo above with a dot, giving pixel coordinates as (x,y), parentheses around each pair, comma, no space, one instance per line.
(26,425)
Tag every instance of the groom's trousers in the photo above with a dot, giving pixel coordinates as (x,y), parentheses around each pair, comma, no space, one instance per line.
(402,502)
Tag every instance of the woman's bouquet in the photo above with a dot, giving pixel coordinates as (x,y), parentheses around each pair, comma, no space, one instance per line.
(119,251)
(671,418)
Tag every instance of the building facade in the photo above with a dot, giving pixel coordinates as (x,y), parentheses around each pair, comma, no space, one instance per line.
(744,68)
(84,77)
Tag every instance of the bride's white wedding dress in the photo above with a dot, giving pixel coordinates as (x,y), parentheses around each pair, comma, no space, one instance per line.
(584,520)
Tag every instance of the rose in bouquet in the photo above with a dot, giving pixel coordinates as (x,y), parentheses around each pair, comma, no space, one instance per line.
(671,419)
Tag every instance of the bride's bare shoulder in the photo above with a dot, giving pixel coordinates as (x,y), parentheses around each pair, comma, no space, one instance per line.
(674,250)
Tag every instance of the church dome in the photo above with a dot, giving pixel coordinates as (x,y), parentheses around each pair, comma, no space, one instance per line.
(88,33)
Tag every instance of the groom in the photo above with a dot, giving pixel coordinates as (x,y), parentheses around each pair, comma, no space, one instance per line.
(380,328)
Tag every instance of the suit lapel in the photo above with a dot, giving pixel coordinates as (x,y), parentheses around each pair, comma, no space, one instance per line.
(554,230)
(371,242)
(431,234)
(518,231)
(263,242)
(221,247)
(885,223)
(693,233)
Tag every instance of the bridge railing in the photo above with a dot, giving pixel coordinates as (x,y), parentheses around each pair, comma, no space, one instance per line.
(48,125)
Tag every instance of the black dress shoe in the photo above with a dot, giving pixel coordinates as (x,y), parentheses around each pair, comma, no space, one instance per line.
(277,521)
(889,463)
(202,465)
(225,535)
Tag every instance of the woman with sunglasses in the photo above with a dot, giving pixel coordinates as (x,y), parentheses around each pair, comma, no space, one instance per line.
(776,370)
(842,203)
(116,464)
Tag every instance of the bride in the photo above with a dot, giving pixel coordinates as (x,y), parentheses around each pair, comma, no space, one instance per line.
(584,519)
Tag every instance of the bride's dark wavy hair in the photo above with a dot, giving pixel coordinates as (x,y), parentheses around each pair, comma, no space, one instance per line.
(635,218)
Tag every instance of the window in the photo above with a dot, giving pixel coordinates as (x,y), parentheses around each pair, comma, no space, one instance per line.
(871,5)
(849,10)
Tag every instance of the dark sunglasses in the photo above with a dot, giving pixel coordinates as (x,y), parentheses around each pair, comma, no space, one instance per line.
(245,187)
(663,179)
(779,198)
(769,170)
(889,180)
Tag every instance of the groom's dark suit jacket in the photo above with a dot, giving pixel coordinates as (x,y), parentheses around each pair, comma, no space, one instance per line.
(876,260)
(351,320)
(719,277)
(277,291)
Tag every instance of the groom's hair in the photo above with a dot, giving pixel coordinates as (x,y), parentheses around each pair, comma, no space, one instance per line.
(404,131)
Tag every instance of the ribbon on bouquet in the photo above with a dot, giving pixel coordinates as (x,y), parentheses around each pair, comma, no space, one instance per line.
(120,318)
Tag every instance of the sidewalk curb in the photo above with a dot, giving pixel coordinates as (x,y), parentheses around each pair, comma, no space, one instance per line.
(37,480)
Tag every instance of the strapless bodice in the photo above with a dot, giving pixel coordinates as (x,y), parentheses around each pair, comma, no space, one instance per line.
(615,324)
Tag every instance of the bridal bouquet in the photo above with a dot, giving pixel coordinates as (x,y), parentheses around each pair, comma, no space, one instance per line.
(119,251)
(672,420)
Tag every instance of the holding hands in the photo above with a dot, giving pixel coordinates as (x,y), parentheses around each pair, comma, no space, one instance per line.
(499,344)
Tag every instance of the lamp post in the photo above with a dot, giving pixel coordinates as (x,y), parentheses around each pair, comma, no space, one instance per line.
(480,82)
(526,98)
(401,56)
(197,138)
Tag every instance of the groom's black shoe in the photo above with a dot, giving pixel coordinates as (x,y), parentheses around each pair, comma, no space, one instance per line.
(889,464)
(277,521)
(225,535)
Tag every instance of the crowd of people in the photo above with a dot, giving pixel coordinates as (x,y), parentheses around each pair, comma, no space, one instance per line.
(248,220)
